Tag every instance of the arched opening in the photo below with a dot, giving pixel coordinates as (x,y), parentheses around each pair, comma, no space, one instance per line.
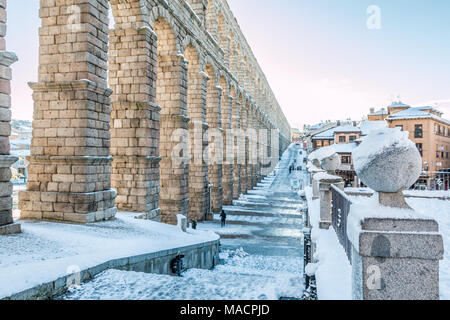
(171,97)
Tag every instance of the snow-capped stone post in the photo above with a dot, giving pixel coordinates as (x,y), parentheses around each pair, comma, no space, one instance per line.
(396,251)
(6,160)
(329,163)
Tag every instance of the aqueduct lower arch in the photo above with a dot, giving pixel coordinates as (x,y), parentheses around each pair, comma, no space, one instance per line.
(111,107)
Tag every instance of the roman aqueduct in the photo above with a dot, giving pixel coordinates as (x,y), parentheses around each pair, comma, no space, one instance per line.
(111,106)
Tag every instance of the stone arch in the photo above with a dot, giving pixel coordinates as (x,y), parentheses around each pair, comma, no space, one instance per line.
(158,13)
(190,41)
(129,13)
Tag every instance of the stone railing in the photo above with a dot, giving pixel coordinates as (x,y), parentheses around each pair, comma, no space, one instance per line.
(394,252)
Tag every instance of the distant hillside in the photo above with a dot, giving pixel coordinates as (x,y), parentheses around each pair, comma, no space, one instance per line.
(21,125)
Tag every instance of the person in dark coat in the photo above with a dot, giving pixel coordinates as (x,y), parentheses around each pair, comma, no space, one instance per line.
(223,218)
(194,223)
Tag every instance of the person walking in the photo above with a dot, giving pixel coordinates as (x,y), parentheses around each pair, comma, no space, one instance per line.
(223,218)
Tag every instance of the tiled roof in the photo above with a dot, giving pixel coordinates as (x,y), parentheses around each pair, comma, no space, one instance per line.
(415,113)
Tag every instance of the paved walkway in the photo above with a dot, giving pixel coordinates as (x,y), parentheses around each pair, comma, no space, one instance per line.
(262,254)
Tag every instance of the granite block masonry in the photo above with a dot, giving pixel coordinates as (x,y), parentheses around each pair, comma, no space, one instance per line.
(7,225)
(395,252)
(109,106)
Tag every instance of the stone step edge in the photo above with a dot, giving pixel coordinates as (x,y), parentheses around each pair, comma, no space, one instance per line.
(59,286)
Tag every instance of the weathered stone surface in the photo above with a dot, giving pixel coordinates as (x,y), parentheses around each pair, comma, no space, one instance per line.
(331,163)
(394,166)
(162,81)
(397,259)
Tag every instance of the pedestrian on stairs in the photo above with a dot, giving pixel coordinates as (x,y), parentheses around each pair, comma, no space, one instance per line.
(223,218)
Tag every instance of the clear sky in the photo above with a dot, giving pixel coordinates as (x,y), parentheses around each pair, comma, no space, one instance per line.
(320,58)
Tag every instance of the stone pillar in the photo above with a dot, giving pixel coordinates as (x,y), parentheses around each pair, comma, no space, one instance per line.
(244,150)
(325,199)
(199,7)
(135,121)
(260,145)
(396,259)
(395,251)
(237,141)
(251,149)
(7,225)
(215,132)
(227,181)
(315,183)
(70,162)
(198,168)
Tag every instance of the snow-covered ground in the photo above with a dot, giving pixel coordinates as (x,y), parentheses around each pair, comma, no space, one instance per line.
(440,211)
(411,193)
(334,272)
(242,277)
(262,255)
(46,251)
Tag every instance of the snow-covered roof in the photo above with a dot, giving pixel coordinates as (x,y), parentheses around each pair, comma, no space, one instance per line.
(379,113)
(398,104)
(344,148)
(415,113)
(368,126)
(328,134)
(347,129)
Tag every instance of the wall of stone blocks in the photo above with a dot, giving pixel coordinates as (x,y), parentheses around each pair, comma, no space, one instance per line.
(7,225)
(172,65)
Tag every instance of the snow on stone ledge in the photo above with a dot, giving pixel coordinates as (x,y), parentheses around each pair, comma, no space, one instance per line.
(325,176)
(46,251)
(333,271)
(363,207)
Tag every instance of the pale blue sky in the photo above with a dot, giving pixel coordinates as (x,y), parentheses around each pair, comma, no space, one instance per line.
(319,56)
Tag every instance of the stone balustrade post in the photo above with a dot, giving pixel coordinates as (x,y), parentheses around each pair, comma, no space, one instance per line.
(325,196)
(396,259)
(395,251)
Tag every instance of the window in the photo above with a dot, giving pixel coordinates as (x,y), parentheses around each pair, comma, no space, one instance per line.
(437,154)
(446,131)
(346,160)
(436,128)
(342,139)
(418,131)
(441,130)
(420,148)
(352,138)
